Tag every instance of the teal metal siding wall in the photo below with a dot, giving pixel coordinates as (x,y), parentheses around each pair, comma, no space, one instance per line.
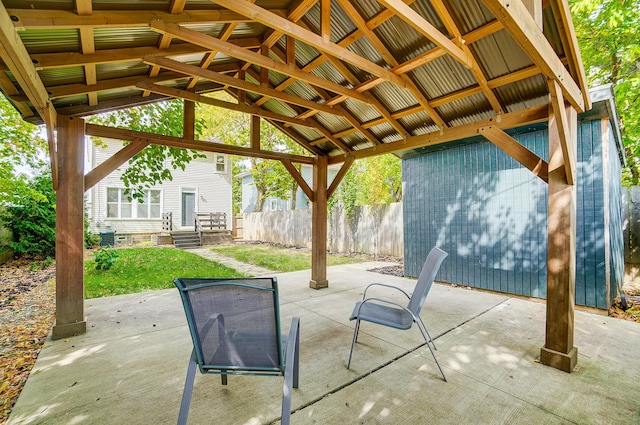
(490,214)
(615,217)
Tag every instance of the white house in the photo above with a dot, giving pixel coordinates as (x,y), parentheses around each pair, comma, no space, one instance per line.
(203,187)
(272,203)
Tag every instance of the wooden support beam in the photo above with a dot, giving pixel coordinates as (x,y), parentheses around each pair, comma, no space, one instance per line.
(69,59)
(558,350)
(535,9)
(239,84)
(518,22)
(70,318)
(564,123)
(570,45)
(266,17)
(213,43)
(338,178)
(515,150)
(299,179)
(58,19)
(255,132)
(188,119)
(16,57)
(319,225)
(177,142)
(449,134)
(422,26)
(116,160)
(252,110)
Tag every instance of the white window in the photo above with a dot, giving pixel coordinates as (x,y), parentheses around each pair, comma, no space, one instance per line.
(273,205)
(119,206)
(221,163)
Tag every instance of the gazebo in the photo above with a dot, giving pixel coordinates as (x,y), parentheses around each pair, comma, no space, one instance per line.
(345,79)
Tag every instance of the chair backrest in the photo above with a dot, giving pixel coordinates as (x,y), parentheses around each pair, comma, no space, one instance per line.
(234,324)
(425,280)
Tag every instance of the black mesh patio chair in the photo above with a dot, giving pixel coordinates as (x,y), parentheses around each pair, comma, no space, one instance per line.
(235,328)
(389,313)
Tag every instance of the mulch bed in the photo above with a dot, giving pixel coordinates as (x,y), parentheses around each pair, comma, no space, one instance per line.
(27,308)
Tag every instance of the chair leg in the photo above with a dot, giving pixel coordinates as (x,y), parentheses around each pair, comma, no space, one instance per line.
(291,370)
(353,341)
(431,350)
(427,330)
(188,389)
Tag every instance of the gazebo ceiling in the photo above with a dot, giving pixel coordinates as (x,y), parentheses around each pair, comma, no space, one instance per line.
(344,78)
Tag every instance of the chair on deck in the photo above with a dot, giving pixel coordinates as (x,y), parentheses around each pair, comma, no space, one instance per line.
(389,313)
(235,328)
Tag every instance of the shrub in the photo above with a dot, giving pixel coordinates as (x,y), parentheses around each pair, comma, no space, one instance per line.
(31,218)
(105,258)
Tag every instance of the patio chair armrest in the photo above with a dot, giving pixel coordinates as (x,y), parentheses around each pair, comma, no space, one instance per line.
(291,371)
(385,301)
(364,296)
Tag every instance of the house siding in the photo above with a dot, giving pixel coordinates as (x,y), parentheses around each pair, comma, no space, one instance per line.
(490,214)
(213,193)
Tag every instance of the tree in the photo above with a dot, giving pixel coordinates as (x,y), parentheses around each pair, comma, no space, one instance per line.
(22,151)
(31,218)
(370,181)
(607,33)
(270,177)
(149,167)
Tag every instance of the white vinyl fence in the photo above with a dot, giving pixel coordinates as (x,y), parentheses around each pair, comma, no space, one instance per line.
(373,230)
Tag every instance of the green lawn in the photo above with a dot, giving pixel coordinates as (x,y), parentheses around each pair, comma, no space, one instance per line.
(145,269)
(280,259)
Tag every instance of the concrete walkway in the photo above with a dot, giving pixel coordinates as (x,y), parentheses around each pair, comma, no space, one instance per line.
(129,368)
(245,268)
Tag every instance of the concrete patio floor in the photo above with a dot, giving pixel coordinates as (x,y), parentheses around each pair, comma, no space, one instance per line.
(130,366)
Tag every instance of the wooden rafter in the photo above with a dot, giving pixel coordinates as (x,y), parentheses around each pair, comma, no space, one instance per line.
(451,26)
(213,43)
(422,26)
(240,84)
(509,120)
(522,27)
(266,17)
(65,19)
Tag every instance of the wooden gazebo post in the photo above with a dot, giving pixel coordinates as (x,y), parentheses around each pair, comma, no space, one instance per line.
(70,318)
(319,224)
(558,350)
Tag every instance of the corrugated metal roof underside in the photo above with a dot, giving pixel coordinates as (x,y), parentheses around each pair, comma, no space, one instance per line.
(497,55)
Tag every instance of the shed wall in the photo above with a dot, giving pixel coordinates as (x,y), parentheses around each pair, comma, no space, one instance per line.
(490,214)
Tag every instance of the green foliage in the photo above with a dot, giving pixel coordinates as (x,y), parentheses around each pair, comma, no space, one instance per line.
(105,258)
(146,269)
(21,150)
(91,240)
(279,259)
(31,218)
(153,164)
(40,265)
(271,178)
(607,33)
(370,181)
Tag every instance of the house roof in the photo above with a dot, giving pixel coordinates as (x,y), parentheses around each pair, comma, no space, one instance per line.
(344,78)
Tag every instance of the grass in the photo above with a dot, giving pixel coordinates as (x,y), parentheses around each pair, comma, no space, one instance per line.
(146,269)
(280,259)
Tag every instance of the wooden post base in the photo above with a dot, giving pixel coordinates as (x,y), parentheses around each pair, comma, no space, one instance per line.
(69,329)
(318,284)
(565,362)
